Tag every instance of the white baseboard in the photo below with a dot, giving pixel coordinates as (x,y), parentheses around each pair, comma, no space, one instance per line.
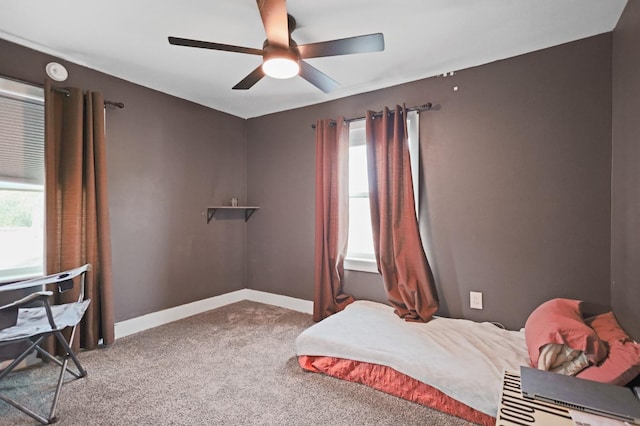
(300,305)
(155,319)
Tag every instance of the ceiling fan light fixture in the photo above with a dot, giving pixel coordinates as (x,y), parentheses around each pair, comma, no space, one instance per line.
(281,66)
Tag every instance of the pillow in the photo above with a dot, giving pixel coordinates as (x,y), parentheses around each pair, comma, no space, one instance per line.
(623,362)
(607,328)
(560,321)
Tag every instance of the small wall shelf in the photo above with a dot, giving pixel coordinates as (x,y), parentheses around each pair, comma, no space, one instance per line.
(248,211)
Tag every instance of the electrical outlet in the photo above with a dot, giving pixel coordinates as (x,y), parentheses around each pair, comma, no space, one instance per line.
(475,300)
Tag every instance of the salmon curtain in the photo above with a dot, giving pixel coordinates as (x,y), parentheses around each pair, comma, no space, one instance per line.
(77,213)
(406,273)
(332,217)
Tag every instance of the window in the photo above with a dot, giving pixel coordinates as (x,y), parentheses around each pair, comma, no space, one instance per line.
(21,180)
(360,253)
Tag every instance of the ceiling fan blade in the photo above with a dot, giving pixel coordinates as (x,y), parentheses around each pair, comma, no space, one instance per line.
(274,19)
(317,77)
(343,46)
(214,46)
(250,80)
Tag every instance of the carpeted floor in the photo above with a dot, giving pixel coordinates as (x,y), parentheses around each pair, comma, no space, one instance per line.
(231,366)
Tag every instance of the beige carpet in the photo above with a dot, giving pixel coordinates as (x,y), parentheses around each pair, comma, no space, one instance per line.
(231,366)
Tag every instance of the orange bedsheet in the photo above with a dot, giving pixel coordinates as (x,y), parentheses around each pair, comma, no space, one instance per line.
(390,381)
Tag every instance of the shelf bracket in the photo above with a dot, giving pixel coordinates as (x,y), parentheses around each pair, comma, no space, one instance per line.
(211,211)
(248,213)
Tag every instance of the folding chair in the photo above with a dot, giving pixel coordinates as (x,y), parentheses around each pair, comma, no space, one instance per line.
(32,319)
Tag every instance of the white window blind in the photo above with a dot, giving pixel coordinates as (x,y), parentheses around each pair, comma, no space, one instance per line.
(21,133)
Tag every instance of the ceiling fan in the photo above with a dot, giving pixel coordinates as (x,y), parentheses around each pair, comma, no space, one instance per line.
(282,57)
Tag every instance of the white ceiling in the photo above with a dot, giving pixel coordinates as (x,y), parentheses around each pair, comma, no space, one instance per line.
(423,38)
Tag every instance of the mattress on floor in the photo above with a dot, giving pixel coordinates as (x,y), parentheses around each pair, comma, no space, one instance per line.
(462,359)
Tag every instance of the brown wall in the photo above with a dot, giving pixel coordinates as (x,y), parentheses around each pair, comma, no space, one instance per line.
(515,184)
(167,160)
(515,198)
(625,205)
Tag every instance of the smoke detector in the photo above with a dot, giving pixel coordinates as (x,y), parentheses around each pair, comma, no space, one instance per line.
(56,71)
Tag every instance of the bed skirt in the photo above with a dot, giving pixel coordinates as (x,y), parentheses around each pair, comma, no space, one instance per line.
(390,381)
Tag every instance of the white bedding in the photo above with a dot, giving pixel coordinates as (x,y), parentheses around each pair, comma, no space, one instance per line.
(463,359)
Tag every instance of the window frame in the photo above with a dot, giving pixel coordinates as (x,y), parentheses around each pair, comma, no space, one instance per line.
(27,93)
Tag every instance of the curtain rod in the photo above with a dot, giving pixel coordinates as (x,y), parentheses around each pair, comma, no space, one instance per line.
(57,89)
(419,108)
(106,102)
